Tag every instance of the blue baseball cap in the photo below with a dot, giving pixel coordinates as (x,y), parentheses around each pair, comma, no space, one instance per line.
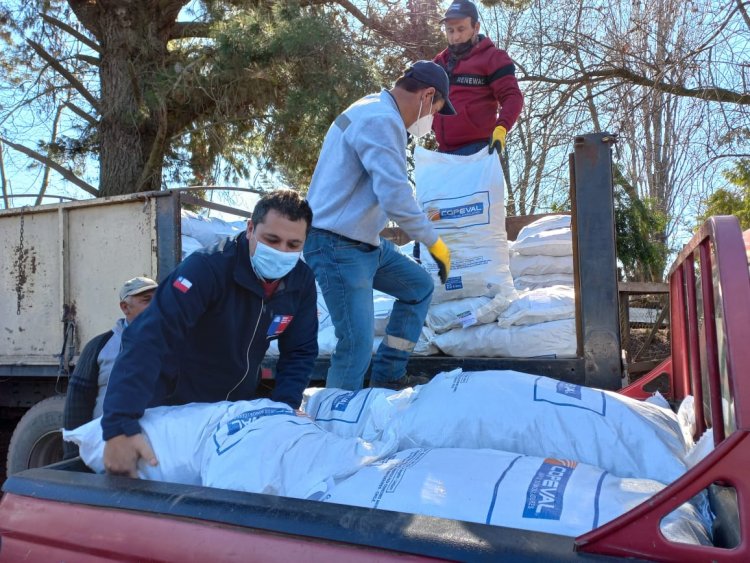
(461,9)
(432,74)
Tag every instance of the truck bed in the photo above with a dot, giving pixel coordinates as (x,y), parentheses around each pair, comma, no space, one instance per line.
(345,533)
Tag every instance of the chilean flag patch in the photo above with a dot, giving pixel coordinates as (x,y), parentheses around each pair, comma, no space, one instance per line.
(182,284)
(279,324)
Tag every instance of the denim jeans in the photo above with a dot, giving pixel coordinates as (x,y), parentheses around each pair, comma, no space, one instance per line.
(470,149)
(347,271)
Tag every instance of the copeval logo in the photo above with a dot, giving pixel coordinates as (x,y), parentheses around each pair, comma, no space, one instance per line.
(342,401)
(569,389)
(458,212)
(229,435)
(544,498)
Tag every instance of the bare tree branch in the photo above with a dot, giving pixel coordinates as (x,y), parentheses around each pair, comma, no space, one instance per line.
(66,173)
(715,94)
(95,61)
(47,165)
(374,25)
(743,10)
(3,179)
(82,114)
(184,30)
(93,45)
(54,63)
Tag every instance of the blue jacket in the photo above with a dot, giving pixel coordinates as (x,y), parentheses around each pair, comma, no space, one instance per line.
(205,333)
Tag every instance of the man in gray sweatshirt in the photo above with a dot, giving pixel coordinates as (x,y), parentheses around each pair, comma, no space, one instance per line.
(360,182)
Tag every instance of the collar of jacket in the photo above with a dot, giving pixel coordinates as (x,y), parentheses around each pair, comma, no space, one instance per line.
(483,44)
(246,277)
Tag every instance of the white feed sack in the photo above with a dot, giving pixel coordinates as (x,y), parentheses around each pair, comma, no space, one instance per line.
(540,306)
(209,230)
(535,415)
(266,448)
(507,489)
(324,317)
(366,413)
(382,305)
(537,265)
(548,236)
(544,280)
(176,434)
(555,339)
(463,196)
(462,313)
(189,245)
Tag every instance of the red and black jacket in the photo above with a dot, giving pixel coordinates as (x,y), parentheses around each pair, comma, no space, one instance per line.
(480,82)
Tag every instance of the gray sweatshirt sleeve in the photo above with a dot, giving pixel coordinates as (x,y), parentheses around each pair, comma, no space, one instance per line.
(380,145)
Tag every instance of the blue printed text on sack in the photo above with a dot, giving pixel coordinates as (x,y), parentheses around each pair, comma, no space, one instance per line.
(544,497)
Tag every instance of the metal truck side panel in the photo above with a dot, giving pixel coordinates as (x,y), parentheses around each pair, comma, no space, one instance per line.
(30,270)
(109,244)
(67,262)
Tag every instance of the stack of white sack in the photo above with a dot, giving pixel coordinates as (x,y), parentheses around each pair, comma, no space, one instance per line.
(257,446)
(266,448)
(507,489)
(540,322)
(539,416)
(463,197)
(204,232)
(176,434)
(366,413)
(542,254)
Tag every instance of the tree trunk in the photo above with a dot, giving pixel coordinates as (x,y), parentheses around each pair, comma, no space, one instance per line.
(132,131)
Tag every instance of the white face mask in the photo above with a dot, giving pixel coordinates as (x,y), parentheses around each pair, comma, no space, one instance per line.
(422,125)
(272,264)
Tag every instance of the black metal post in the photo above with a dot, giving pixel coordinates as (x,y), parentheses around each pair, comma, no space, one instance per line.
(592,198)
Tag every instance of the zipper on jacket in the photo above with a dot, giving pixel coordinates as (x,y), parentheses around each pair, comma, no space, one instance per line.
(247,352)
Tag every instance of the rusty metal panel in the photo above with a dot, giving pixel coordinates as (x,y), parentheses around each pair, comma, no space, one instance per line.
(108,245)
(30,308)
(67,262)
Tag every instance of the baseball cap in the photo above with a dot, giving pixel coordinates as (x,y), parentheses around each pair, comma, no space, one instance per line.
(461,9)
(433,75)
(136,286)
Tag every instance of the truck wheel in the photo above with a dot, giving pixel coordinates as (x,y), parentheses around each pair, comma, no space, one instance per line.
(37,440)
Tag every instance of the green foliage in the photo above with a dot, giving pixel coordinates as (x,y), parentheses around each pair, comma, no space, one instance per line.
(289,73)
(639,228)
(732,202)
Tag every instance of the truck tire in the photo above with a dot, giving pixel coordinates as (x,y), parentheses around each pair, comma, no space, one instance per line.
(37,440)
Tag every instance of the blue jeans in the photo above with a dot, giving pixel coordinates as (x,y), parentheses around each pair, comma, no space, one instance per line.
(471,148)
(347,271)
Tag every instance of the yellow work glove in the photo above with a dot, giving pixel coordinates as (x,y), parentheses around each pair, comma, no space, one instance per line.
(497,141)
(442,257)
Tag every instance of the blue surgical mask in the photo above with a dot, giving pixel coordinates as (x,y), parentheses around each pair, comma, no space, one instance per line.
(272,264)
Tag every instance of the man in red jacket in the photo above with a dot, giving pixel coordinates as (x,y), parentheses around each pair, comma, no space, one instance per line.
(484,89)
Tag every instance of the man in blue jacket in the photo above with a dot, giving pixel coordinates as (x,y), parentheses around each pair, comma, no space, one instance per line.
(360,182)
(209,325)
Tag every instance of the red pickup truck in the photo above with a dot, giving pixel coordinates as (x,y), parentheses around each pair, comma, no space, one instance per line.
(64,512)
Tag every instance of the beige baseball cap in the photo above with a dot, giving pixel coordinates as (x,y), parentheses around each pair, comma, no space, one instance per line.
(136,286)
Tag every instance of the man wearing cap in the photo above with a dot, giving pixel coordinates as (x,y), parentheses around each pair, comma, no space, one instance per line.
(88,384)
(207,330)
(484,89)
(359,183)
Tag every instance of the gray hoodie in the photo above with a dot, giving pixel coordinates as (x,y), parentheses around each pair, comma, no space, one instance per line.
(360,180)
